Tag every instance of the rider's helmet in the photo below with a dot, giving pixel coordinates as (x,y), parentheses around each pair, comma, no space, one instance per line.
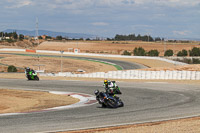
(108,82)
(96,92)
(27,69)
(105,81)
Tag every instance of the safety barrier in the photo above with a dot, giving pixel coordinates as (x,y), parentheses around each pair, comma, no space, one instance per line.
(136,74)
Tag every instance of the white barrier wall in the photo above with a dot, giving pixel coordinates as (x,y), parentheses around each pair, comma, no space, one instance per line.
(136,74)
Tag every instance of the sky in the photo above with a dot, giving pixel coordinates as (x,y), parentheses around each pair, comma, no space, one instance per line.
(105,18)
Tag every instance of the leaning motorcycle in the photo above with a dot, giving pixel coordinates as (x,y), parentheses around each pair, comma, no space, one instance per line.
(32,75)
(108,101)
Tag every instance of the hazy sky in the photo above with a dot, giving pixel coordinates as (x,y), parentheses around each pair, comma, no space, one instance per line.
(163,18)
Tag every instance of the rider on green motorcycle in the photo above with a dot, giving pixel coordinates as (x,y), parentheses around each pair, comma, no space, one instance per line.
(111,87)
(30,73)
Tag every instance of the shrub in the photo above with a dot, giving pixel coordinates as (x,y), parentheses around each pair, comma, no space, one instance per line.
(195,51)
(12,68)
(126,53)
(139,51)
(169,52)
(182,53)
(196,61)
(153,53)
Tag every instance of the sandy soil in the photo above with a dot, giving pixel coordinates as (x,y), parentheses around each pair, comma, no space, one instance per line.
(13,101)
(54,64)
(116,47)
(190,125)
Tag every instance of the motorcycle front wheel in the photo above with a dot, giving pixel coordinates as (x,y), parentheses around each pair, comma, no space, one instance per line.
(37,78)
(112,103)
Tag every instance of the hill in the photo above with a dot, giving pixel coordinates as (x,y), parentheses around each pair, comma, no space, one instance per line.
(52,33)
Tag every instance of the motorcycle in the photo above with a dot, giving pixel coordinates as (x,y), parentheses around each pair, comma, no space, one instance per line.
(108,101)
(32,75)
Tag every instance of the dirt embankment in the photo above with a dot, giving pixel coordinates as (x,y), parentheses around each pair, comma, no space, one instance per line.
(17,44)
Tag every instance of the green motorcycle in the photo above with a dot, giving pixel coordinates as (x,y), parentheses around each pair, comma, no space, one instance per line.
(32,75)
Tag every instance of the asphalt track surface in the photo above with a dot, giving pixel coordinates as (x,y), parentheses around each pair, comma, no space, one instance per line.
(144,102)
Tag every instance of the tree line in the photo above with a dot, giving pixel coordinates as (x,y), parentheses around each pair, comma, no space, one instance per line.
(12,36)
(139,51)
(133,37)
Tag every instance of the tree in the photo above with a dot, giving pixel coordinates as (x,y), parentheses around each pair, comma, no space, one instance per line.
(58,37)
(153,53)
(157,39)
(182,53)
(21,37)
(48,37)
(14,35)
(169,52)
(195,51)
(139,51)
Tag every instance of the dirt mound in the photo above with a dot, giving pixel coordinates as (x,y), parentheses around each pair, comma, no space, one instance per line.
(20,44)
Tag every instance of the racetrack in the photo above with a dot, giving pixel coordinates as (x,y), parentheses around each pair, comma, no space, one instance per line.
(144,102)
(124,65)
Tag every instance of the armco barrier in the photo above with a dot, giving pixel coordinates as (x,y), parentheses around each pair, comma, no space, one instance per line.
(136,74)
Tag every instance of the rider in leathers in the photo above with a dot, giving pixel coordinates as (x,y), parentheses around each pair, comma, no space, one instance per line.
(111,88)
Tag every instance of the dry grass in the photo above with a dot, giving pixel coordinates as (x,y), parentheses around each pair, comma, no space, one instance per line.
(54,64)
(13,101)
(116,47)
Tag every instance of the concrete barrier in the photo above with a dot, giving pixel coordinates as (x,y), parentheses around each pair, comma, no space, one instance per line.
(135,74)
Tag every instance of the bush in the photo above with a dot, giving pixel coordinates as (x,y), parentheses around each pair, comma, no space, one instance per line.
(139,51)
(126,53)
(196,61)
(169,52)
(153,53)
(182,53)
(195,51)
(12,68)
